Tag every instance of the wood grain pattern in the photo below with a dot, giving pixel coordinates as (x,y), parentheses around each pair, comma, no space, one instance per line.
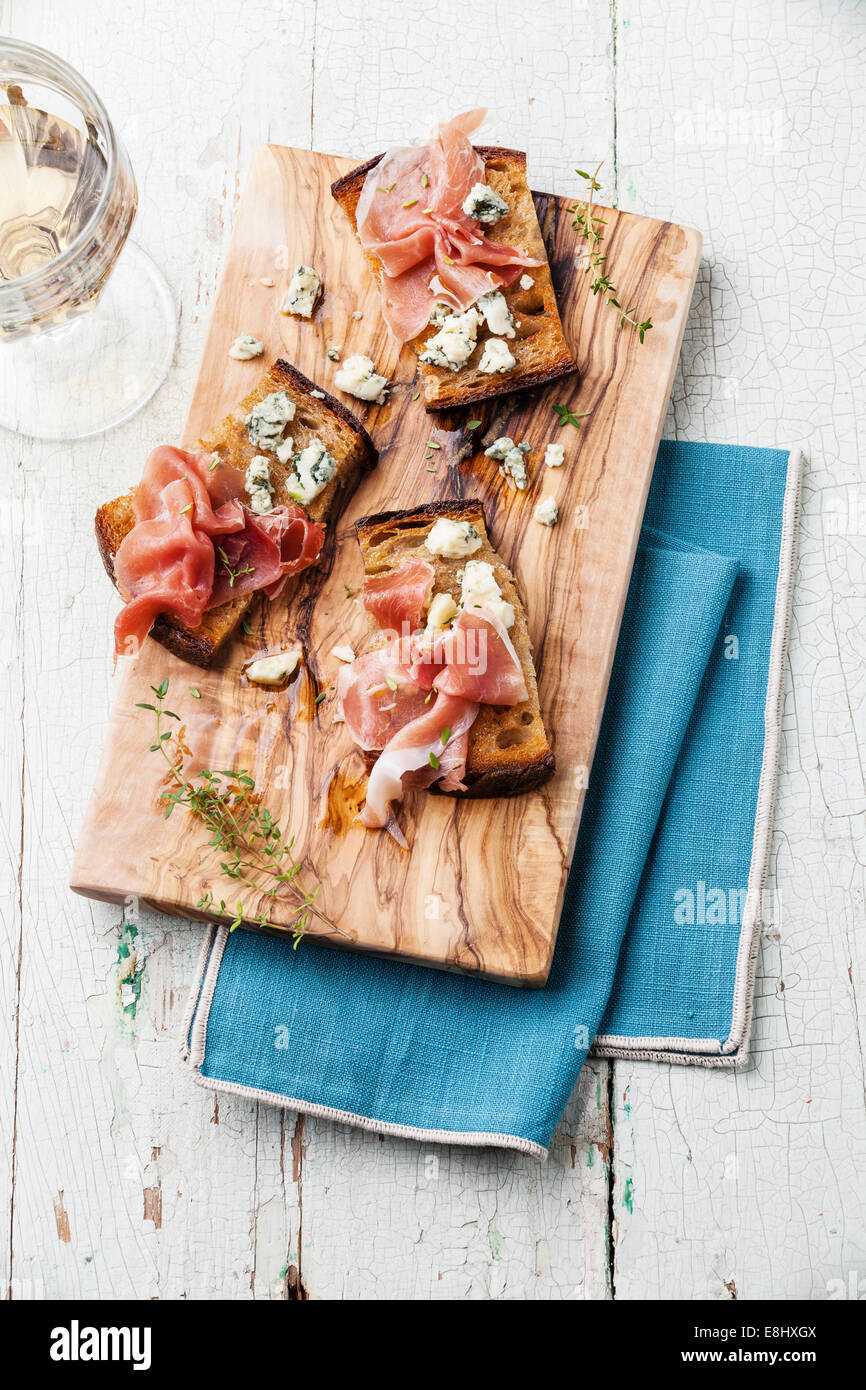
(481,889)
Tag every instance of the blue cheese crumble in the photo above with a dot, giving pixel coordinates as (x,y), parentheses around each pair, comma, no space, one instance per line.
(304,289)
(313,468)
(497,313)
(245,348)
(268,419)
(554,455)
(439,313)
(275,670)
(452,539)
(510,457)
(496,357)
(547,511)
(455,342)
(484,204)
(442,609)
(359,377)
(479,589)
(259,485)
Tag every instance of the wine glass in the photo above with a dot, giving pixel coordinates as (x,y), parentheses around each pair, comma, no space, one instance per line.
(85,338)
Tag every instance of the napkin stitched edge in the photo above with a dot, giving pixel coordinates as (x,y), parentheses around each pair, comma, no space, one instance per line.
(194,1035)
(734,1052)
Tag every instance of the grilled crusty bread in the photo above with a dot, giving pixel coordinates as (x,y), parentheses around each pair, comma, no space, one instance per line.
(509,750)
(345,439)
(539,348)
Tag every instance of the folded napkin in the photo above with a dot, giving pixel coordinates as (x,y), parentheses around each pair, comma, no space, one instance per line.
(656,949)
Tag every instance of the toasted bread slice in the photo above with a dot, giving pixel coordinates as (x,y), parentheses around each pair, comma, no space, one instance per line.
(540,351)
(325,418)
(509,751)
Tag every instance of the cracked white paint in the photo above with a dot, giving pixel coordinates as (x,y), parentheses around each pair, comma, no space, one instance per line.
(750,1182)
(722,1183)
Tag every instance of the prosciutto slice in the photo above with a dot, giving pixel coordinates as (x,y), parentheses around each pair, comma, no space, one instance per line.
(194,545)
(165,563)
(417,697)
(475,659)
(264,554)
(432,236)
(211,488)
(430,748)
(378,697)
(396,599)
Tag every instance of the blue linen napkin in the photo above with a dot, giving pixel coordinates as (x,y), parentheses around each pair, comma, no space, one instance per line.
(656,946)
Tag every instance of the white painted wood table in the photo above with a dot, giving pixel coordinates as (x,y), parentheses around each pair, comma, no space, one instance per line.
(118,1176)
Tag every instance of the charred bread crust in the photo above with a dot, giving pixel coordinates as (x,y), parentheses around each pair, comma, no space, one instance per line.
(114,519)
(525,382)
(458,508)
(346,190)
(186,643)
(506,782)
(480,782)
(546,356)
(284,370)
(509,750)
(108,536)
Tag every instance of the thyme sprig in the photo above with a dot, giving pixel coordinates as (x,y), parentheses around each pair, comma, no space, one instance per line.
(567,417)
(233,574)
(590,224)
(242,830)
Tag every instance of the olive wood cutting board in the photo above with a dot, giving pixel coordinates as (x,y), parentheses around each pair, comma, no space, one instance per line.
(481,887)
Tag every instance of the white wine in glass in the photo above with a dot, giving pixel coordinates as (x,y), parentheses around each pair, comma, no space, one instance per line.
(86,334)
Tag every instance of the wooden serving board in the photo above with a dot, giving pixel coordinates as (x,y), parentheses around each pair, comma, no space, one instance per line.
(481,887)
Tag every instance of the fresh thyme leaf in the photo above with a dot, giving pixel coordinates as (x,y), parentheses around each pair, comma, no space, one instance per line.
(187,508)
(244,833)
(588,223)
(322,695)
(445,735)
(411,203)
(389,189)
(431,444)
(196,694)
(472,424)
(567,418)
(233,574)
(390,682)
(434,761)
(247,629)
(424,180)
(416,395)
(350,593)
